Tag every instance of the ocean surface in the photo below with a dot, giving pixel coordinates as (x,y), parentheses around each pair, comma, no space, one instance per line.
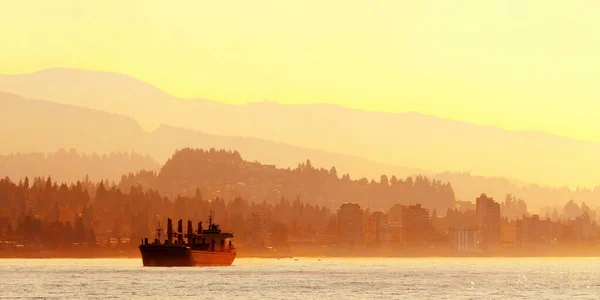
(306,278)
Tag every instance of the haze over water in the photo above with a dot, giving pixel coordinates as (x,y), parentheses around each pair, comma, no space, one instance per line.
(305,128)
(306,278)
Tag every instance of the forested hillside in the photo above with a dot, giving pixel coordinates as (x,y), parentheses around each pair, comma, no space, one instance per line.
(225,174)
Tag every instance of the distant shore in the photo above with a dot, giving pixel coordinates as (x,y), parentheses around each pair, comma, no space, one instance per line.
(416,253)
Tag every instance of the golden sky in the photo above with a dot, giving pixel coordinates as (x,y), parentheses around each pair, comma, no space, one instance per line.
(531,65)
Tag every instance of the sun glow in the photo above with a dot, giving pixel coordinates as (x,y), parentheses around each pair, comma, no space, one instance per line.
(511,64)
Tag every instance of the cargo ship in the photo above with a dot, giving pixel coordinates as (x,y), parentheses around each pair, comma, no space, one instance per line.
(203,247)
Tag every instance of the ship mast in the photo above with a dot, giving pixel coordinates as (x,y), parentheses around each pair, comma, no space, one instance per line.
(158,231)
(210,219)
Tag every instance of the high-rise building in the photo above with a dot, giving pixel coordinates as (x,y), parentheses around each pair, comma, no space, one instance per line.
(416,225)
(582,229)
(488,221)
(395,225)
(532,232)
(376,230)
(350,224)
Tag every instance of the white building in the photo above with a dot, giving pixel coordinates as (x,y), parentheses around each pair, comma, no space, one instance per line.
(465,240)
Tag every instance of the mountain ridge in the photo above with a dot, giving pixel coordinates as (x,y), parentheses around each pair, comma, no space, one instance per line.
(80,131)
(159,143)
(158,90)
(411,139)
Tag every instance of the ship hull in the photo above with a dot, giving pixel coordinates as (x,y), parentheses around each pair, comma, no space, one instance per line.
(168,256)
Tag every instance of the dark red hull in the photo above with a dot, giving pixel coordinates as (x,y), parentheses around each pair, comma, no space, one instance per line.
(182,256)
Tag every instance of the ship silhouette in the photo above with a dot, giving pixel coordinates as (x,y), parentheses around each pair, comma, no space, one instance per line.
(203,247)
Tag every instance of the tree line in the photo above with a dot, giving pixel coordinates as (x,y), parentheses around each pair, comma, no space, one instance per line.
(225,174)
(59,215)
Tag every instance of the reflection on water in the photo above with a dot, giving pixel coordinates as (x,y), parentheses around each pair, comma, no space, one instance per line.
(306,278)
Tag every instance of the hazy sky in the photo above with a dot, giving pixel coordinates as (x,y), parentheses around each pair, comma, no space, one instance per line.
(514,64)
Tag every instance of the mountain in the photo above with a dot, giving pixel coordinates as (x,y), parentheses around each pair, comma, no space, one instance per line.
(43,127)
(225,174)
(110,92)
(409,139)
(280,154)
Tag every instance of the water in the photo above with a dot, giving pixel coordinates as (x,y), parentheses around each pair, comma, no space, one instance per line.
(306,278)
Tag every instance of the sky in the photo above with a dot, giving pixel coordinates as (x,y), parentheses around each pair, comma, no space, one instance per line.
(525,65)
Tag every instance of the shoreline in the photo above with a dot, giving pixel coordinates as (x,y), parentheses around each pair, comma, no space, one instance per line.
(137,256)
(321,252)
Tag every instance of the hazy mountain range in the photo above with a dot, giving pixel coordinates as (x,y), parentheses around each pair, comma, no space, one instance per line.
(407,139)
(43,127)
(97,112)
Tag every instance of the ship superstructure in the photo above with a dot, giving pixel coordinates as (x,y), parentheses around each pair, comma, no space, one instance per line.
(203,247)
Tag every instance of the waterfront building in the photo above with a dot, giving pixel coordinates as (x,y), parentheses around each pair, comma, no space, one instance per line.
(376,229)
(350,224)
(395,233)
(583,229)
(416,225)
(531,231)
(488,221)
(464,239)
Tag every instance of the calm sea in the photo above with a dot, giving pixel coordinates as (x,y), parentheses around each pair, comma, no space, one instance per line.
(306,278)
